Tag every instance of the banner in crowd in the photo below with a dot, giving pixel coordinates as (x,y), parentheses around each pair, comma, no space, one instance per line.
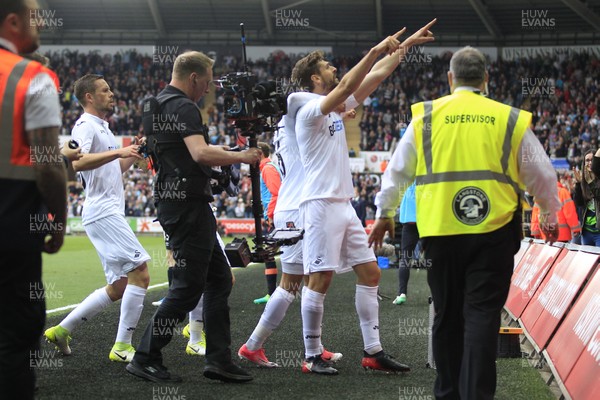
(357,164)
(514,53)
(374,159)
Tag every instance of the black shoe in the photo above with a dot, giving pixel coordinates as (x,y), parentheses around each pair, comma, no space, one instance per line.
(319,366)
(154,373)
(227,373)
(383,362)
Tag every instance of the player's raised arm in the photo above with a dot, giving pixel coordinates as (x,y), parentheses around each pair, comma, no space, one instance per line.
(351,81)
(384,67)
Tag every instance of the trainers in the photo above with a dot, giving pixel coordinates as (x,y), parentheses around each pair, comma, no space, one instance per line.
(400,299)
(154,373)
(198,348)
(122,352)
(262,300)
(256,357)
(331,357)
(383,362)
(186,331)
(317,365)
(60,337)
(227,373)
(157,303)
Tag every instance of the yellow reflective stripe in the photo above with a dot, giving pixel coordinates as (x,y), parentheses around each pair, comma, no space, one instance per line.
(567,201)
(7,170)
(428,108)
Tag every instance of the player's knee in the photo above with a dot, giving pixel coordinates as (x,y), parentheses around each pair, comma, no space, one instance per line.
(140,276)
(291,283)
(368,274)
(116,289)
(320,281)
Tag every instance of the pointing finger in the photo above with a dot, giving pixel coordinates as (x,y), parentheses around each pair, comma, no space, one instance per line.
(399,33)
(429,25)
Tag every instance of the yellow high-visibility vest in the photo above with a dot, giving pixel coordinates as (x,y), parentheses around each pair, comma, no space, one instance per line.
(467,173)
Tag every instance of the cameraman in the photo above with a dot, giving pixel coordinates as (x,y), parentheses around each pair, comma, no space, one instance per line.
(183,157)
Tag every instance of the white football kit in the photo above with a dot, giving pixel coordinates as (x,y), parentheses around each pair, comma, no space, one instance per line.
(334,238)
(103,213)
(292,179)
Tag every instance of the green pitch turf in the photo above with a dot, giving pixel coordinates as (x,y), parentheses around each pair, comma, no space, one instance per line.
(88,374)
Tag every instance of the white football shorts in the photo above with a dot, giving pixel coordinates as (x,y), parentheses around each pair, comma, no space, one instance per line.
(119,250)
(334,238)
(291,258)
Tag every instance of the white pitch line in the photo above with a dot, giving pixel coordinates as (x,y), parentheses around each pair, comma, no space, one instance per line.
(70,307)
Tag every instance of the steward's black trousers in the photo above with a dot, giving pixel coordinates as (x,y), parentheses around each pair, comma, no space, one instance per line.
(408,243)
(469,277)
(201,267)
(22,318)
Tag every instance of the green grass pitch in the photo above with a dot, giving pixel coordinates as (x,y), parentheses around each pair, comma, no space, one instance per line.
(88,374)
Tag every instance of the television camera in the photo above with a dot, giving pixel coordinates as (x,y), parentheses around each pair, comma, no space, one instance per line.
(255,107)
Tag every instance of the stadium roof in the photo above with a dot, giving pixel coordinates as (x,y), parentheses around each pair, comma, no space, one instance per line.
(320,22)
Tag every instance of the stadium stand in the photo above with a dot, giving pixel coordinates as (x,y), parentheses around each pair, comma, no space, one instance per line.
(565,108)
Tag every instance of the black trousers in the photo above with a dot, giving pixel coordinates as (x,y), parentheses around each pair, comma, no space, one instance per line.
(201,267)
(410,238)
(469,278)
(22,319)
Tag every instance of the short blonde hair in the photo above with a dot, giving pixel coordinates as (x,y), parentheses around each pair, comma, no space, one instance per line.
(191,61)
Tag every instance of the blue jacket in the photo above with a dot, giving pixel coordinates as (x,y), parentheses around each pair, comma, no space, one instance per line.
(408,207)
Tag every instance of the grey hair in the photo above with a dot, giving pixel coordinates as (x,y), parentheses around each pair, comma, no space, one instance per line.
(468,67)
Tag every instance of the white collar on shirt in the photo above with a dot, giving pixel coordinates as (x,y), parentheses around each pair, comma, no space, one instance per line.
(94,118)
(469,88)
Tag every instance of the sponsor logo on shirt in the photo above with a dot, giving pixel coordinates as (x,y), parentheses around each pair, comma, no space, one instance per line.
(336,126)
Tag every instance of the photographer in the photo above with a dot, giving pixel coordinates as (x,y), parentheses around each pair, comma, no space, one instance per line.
(179,149)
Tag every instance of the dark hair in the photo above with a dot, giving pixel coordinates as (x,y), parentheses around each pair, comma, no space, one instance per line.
(11,7)
(85,84)
(307,67)
(585,186)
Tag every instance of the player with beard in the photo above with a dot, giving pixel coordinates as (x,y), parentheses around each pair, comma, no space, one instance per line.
(326,208)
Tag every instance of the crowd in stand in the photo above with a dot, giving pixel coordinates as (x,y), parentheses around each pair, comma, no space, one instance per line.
(563,94)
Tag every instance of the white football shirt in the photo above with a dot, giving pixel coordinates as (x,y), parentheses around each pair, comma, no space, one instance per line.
(104,194)
(287,155)
(323,149)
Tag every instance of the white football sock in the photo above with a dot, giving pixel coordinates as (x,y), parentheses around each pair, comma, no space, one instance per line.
(132,305)
(271,317)
(367,308)
(197,322)
(85,311)
(312,316)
